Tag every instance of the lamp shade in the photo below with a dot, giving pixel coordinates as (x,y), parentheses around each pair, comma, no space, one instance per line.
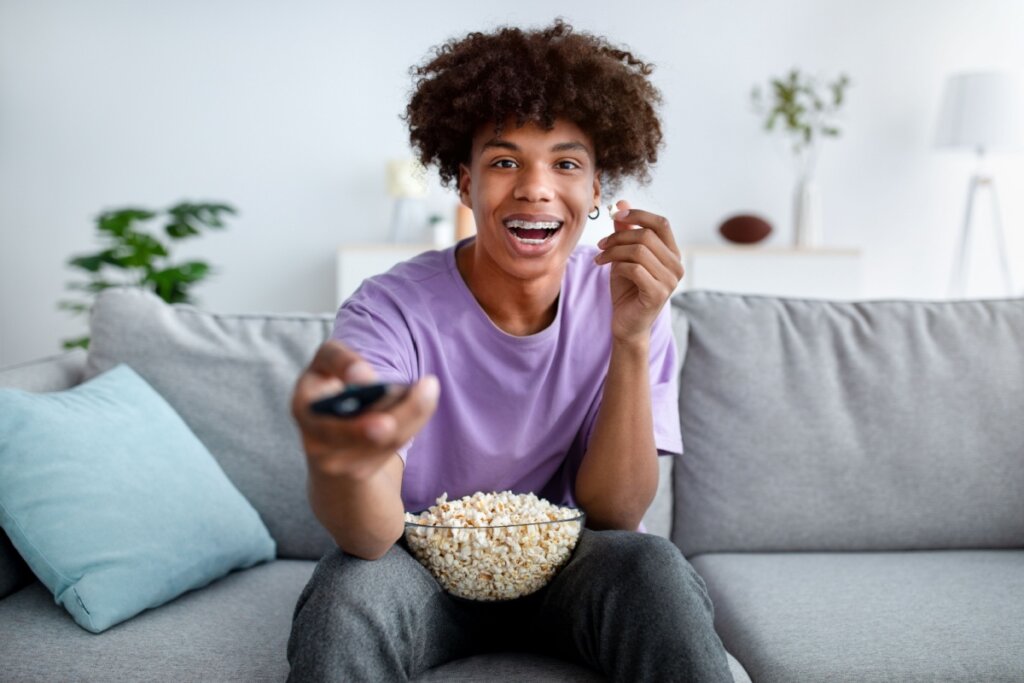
(981,110)
(407,179)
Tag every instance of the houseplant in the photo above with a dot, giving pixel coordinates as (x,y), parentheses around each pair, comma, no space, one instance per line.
(805,110)
(133,254)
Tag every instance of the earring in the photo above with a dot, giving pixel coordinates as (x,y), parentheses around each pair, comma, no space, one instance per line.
(595,214)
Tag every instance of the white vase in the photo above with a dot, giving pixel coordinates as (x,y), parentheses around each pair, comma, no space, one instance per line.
(807,213)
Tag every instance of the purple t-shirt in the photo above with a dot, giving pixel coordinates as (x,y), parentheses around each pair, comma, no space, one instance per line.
(515,413)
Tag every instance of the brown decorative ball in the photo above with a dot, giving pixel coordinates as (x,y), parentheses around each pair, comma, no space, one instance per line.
(745,229)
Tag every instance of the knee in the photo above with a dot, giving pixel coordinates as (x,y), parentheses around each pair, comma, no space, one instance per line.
(654,566)
(358,618)
(348,583)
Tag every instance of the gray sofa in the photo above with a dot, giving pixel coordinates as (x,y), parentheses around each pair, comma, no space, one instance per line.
(852,492)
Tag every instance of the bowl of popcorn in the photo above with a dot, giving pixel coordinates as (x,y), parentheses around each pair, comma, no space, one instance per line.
(493,546)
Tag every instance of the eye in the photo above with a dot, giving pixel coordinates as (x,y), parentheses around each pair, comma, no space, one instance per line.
(504,163)
(567,165)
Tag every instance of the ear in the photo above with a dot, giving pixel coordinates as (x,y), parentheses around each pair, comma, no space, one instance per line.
(464,185)
(597,189)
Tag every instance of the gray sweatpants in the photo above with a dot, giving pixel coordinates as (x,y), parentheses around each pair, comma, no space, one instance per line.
(627,604)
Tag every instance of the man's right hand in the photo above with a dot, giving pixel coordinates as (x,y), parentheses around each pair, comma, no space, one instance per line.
(355,448)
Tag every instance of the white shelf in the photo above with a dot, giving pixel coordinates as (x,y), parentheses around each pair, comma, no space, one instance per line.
(828,273)
(356,262)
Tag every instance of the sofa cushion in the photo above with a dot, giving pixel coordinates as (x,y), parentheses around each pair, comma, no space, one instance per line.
(55,373)
(235,629)
(114,503)
(947,615)
(816,425)
(230,377)
(535,668)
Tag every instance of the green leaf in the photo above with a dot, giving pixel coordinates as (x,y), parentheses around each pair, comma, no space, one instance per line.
(74,307)
(190,272)
(90,263)
(120,221)
(79,343)
(97,286)
(180,229)
(139,250)
(187,218)
(171,284)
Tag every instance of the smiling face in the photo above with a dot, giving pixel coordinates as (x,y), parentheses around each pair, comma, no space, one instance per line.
(530,190)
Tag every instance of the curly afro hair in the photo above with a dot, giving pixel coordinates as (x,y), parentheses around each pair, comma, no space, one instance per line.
(536,76)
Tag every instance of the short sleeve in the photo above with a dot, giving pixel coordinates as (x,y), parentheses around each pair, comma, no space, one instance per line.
(664,369)
(664,377)
(374,328)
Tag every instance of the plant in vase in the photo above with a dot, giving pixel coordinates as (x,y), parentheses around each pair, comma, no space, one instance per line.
(805,110)
(141,257)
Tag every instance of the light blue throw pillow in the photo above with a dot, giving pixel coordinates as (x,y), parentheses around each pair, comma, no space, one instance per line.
(114,503)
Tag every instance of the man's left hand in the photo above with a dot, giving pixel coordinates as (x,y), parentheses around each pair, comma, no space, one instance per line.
(646,268)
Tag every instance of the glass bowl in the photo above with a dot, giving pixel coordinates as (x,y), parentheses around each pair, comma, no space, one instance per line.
(500,562)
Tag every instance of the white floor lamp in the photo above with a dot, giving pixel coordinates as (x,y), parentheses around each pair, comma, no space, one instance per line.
(981,110)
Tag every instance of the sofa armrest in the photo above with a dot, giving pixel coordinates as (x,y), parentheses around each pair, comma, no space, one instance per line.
(54,373)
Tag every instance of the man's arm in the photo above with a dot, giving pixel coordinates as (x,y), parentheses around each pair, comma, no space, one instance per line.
(618,477)
(355,473)
(365,516)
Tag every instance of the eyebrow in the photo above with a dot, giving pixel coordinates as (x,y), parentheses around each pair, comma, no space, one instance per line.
(559,147)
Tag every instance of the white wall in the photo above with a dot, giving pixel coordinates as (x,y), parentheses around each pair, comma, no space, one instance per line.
(289,110)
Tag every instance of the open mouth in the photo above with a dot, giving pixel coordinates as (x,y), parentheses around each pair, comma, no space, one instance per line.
(533,232)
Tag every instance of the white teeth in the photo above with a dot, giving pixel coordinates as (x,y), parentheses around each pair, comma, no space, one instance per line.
(533,225)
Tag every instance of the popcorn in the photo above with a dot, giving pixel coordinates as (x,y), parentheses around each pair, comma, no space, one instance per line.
(493,546)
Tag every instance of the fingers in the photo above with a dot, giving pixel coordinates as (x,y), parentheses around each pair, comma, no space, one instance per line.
(639,255)
(333,366)
(392,428)
(642,246)
(334,359)
(652,292)
(627,217)
(373,432)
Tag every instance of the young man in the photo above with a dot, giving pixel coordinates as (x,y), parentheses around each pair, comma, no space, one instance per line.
(536,366)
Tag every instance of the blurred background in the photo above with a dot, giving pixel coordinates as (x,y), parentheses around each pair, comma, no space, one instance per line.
(289,112)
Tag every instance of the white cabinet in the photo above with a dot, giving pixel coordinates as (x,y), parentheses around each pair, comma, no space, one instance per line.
(779,271)
(357,262)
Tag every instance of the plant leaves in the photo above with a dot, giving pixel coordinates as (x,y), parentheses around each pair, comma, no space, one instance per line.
(142,257)
(75,307)
(78,343)
(90,263)
(120,221)
(187,218)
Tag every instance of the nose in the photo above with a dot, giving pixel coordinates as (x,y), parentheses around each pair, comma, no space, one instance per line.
(534,184)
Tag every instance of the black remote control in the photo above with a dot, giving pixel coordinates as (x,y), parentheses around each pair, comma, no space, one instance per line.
(356,399)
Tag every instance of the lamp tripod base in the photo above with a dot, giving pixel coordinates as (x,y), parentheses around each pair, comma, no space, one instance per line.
(958,281)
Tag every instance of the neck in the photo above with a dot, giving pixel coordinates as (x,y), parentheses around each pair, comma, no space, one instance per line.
(517,307)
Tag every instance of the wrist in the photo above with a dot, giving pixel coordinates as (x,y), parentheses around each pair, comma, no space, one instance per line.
(632,345)
(341,468)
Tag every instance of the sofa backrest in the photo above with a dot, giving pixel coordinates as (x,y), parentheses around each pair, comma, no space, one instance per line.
(818,426)
(230,377)
(54,373)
